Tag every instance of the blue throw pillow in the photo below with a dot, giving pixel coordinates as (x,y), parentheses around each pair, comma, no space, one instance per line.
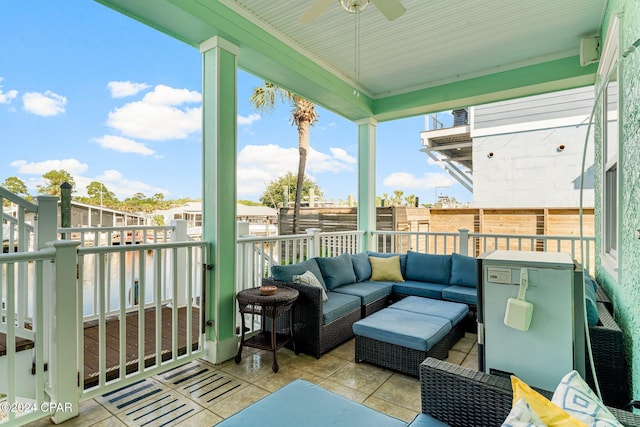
(463,270)
(403,258)
(285,273)
(428,268)
(590,296)
(337,271)
(361,266)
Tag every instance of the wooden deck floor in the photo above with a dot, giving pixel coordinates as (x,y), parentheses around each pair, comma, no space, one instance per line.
(91,346)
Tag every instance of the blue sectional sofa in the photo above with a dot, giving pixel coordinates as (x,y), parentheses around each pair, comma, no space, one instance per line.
(359,285)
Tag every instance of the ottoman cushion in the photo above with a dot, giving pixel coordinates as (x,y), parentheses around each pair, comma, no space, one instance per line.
(303,403)
(403,328)
(452,311)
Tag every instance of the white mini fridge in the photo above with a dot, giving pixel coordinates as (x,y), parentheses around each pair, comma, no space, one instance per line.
(552,344)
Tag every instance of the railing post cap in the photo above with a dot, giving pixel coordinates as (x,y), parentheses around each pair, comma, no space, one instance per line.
(463,229)
(64,244)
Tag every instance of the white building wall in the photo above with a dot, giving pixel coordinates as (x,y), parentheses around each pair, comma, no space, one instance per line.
(528,169)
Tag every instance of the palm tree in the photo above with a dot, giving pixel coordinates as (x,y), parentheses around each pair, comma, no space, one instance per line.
(303,115)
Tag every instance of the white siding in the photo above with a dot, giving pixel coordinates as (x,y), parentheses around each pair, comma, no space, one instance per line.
(528,170)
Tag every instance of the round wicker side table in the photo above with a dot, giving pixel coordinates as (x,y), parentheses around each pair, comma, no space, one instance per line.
(251,301)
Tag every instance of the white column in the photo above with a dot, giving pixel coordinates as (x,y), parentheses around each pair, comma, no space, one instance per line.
(367,179)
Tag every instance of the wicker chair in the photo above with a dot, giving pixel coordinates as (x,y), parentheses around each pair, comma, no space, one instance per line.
(463,397)
(312,336)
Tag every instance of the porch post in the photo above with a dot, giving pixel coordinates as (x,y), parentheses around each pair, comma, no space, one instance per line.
(179,234)
(46,221)
(65,333)
(367,179)
(219,147)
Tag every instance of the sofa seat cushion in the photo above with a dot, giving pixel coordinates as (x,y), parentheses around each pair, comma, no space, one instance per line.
(367,291)
(337,305)
(462,294)
(452,311)
(403,328)
(424,420)
(303,403)
(419,289)
(285,273)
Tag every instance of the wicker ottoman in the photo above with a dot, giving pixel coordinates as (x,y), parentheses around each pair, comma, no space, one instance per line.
(401,340)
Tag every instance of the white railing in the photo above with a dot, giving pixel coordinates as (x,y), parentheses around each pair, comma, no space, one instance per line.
(108,236)
(23,378)
(424,242)
(143,282)
(17,234)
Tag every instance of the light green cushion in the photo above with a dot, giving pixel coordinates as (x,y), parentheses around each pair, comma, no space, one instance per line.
(385,269)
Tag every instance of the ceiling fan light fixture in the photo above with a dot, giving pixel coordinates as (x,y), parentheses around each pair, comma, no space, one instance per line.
(354,6)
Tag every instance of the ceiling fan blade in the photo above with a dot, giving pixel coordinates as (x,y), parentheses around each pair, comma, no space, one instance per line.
(392,9)
(315,10)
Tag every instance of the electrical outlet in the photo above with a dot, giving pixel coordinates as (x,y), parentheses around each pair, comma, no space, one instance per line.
(637,234)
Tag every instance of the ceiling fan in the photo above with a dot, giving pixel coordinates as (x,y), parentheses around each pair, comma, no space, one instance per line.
(392,9)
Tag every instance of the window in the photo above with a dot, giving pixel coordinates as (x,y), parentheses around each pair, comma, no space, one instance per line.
(610,131)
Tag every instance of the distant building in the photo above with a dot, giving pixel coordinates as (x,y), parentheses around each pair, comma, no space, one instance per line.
(524,152)
(262,220)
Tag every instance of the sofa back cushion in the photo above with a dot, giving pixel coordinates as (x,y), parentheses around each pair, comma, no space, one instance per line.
(361,266)
(403,258)
(337,271)
(285,273)
(385,269)
(463,271)
(428,268)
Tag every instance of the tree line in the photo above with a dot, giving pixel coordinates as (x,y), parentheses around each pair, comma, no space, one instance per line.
(97,193)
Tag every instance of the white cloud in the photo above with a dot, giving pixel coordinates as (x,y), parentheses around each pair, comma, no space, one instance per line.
(123,145)
(165,95)
(73,166)
(404,180)
(245,121)
(341,154)
(260,164)
(124,89)
(44,104)
(158,116)
(7,97)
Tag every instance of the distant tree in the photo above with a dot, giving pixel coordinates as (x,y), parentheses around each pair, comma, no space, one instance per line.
(303,115)
(397,198)
(53,180)
(157,220)
(99,194)
(411,200)
(17,187)
(273,195)
(249,203)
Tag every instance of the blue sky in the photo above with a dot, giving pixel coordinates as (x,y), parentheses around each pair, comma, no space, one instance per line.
(85,89)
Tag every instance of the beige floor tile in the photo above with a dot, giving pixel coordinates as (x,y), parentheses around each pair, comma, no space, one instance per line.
(286,374)
(390,409)
(238,401)
(471,362)
(109,422)
(464,345)
(345,351)
(344,391)
(204,418)
(323,367)
(401,390)
(251,367)
(363,377)
(456,357)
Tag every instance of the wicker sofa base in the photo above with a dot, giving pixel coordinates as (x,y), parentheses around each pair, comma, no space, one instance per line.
(398,358)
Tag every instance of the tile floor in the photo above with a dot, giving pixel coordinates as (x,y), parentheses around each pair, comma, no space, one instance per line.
(202,394)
